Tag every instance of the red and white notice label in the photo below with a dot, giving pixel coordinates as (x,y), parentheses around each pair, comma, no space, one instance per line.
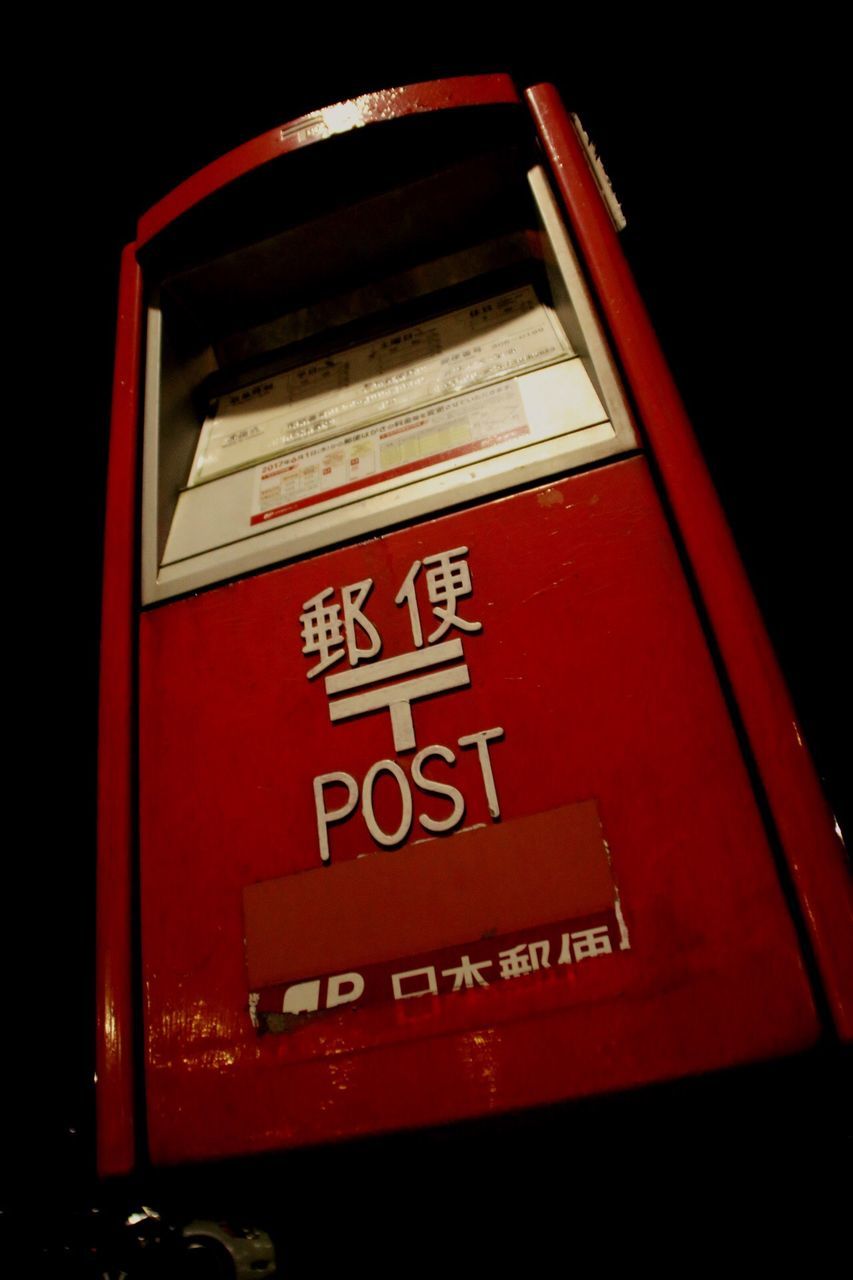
(530,897)
(471,347)
(411,442)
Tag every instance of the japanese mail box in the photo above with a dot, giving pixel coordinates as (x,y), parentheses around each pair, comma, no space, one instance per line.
(444,758)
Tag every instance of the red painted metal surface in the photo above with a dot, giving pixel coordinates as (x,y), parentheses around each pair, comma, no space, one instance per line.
(807,831)
(592,661)
(114,997)
(368,109)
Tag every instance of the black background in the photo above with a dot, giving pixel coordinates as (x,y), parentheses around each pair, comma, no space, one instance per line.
(720,148)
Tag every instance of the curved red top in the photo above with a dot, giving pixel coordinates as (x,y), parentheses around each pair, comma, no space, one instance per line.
(369,108)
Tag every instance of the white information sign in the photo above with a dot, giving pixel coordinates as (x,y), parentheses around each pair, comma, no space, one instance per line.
(425,437)
(424,364)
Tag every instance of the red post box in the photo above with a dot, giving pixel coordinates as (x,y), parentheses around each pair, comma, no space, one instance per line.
(464,773)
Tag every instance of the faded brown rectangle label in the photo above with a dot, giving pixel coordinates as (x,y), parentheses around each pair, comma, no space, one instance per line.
(486,882)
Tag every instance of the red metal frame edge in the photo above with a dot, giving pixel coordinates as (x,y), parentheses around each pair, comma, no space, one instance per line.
(114,996)
(807,830)
(341,117)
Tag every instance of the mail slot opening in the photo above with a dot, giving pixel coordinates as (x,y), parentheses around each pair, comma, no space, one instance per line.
(423,345)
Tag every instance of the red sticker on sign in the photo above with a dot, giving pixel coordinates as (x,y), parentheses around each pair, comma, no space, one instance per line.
(491,905)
